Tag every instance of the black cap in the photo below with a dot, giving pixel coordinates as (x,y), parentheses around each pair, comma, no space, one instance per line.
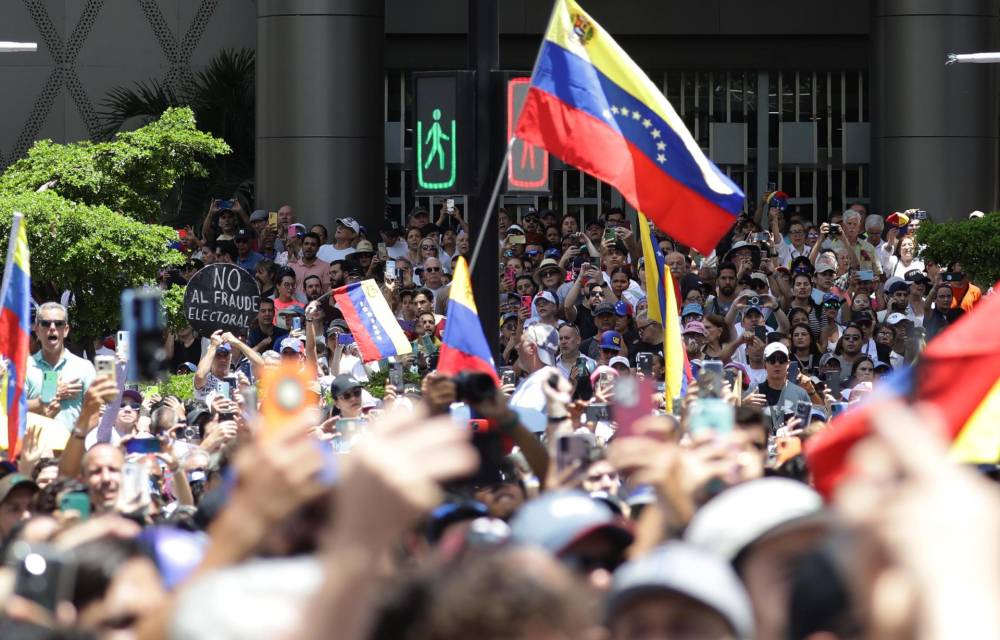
(603,308)
(342,383)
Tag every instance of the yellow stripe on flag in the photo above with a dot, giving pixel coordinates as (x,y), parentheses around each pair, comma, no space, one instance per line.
(673,354)
(979,441)
(653,311)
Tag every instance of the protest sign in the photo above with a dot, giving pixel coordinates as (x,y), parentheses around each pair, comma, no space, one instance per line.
(221,296)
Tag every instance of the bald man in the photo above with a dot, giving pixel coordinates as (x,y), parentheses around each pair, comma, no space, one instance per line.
(102,473)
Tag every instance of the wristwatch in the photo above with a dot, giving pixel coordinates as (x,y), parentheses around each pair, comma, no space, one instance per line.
(79,433)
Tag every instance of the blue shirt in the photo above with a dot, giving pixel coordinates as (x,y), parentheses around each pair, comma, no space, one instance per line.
(69,367)
(250,262)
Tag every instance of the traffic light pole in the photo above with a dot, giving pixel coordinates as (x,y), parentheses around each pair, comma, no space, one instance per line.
(484,58)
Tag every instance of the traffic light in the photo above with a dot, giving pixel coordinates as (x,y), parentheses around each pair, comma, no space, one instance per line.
(444,131)
(528,166)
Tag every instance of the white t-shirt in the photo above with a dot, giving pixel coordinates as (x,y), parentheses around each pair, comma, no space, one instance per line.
(329,253)
(211,385)
(398,250)
(529,399)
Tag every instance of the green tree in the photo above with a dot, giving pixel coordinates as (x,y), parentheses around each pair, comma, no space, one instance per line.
(974,243)
(87,228)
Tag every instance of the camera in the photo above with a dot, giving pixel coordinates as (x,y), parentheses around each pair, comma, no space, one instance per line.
(753,301)
(834,229)
(188,433)
(473,388)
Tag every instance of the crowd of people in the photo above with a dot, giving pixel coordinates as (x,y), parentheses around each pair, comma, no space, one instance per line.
(571,497)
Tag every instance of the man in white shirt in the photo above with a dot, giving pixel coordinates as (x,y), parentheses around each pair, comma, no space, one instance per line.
(345,234)
(536,356)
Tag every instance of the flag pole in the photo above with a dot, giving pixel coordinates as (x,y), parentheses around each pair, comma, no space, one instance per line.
(506,156)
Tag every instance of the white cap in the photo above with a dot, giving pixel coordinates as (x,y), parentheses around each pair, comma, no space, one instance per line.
(896,318)
(976,214)
(619,360)
(775,347)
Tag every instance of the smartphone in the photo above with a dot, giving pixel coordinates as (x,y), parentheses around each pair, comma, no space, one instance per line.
(221,204)
(837,408)
(45,575)
(345,338)
(515,239)
(633,401)
(383,253)
(449,204)
(390,269)
(598,412)
(526,302)
(224,389)
(350,431)
(507,375)
(761,332)
(272,219)
(710,378)
(833,384)
(396,376)
(763,236)
(121,345)
(919,214)
(866,275)
(105,366)
(50,386)
(711,413)
(609,233)
(135,482)
(509,274)
(296,323)
(793,371)
(234,385)
(143,445)
(644,363)
(144,320)
(77,501)
(427,344)
(572,451)
(803,410)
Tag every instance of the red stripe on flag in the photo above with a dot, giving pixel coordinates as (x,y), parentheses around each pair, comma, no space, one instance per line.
(14,344)
(453,360)
(594,147)
(365,343)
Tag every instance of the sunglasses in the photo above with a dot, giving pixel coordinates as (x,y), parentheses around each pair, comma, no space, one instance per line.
(130,405)
(551,272)
(52,323)
(353,393)
(431,269)
(777,359)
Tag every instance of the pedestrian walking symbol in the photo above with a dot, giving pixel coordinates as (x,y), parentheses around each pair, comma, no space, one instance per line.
(528,166)
(436,150)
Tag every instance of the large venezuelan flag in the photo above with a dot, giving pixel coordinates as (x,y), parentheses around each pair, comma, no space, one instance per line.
(15,331)
(592,106)
(375,328)
(958,372)
(464,346)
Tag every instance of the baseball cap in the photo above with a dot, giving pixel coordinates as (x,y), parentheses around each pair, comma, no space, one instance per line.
(917,276)
(692,308)
(694,327)
(741,515)
(891,281)
(902,285)
(611,340)
(553,253)
(595,375)
(505,318)
(757,275)
(225,347)
(364,247)
(896,318)
(338,324)
(826,262)
(545,295)
(292,343)
(241,235)
(975,215)
(623,309)
(603,308)
(291,310)
(515,228)
(190,366)
(775,347)
(132,394)
(752,308)
(557,519)
(258,215)
(343,382)
(350,223)
(547,340)
(689,571)
(619,360)
(13,481)
(826,358)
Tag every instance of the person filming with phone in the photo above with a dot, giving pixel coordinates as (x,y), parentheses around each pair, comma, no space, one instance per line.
(72,374)
(776,394)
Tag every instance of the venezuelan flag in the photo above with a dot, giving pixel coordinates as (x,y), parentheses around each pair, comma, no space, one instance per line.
(464,346)
(592,106)
(376,330)
(958,372)
(676,368)
(656,299)
(15,331)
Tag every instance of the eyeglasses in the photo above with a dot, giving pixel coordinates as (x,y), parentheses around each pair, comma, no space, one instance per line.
(50,323)
(427,246)
(597,293)
(777,359)
(353,393)
(130,405)
(431,269)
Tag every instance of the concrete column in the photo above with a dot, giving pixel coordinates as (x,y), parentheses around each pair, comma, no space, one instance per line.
(934,135)
(320,109)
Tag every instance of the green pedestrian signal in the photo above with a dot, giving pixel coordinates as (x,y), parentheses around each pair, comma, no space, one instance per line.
(443,131)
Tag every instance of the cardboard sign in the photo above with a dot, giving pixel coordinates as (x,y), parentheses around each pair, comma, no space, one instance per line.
(221,296)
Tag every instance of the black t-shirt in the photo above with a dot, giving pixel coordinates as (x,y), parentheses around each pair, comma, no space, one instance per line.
(772,395)
(585,321)
(184,354)
(643,347)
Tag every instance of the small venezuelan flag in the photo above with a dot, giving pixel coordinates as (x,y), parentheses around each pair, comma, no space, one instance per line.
(592,106)
(15,331)
(653,268)
(464,346)
(375,328)
(676,368)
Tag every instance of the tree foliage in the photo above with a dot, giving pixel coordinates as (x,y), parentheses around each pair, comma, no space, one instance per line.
(974,243)
(88,232)
(133,173)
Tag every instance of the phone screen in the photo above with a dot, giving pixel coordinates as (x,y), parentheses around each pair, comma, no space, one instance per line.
(633,401)
(711,413)
(143,445)
(761,332)
(50,386)
(507,375)
(390,269)
(644,363)
(572,451)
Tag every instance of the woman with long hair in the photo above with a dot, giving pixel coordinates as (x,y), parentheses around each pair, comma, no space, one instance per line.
(265,273)
(804,348)
(719,344)
(413,238)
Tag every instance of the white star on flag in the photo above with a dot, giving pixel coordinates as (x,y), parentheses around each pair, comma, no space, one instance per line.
(655,133)
(661,145)
(661,158)
(647,123)
(635,115)
(614,110)
(624,111)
